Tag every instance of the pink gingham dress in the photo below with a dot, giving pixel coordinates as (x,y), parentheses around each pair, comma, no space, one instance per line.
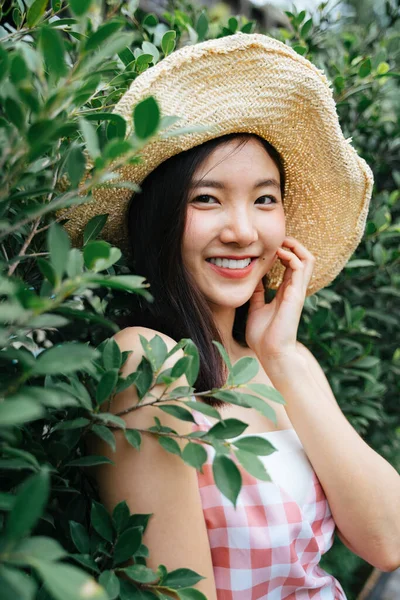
(269,547)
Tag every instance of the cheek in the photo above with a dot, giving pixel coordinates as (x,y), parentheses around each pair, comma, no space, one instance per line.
(196,234)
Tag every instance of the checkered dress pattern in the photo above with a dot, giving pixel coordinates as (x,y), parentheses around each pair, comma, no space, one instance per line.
(269,547)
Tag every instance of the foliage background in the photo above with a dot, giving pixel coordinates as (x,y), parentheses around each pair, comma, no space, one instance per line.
(63,66)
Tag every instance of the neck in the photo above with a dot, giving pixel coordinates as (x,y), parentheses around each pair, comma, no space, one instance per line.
(224,319)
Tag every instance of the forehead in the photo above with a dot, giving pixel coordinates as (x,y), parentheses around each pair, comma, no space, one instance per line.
(229,164)
(224,157)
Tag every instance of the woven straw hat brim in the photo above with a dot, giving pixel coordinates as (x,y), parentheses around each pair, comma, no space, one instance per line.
(253,83)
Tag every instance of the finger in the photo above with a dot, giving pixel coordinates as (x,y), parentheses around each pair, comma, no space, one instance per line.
(306,257)
(301,251)
(295,269)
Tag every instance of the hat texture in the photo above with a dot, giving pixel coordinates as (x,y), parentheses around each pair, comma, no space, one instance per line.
(253,83)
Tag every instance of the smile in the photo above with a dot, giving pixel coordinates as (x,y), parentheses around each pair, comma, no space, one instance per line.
(232,269)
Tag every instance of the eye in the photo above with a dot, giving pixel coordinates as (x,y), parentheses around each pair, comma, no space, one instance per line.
(272,199)
(199,198)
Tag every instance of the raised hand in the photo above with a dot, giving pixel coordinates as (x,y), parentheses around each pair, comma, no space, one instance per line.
(271,329)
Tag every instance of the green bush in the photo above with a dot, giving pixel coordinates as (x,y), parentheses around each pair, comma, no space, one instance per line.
(63,66)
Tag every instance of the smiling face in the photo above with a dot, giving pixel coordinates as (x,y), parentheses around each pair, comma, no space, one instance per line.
(238,214)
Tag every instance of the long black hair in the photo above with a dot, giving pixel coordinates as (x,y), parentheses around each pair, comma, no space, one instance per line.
(156,222)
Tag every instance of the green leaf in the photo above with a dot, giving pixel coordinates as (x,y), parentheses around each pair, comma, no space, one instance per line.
(170,445)
(149,48)
(123,384)
(194,367)
(80,537)
(18,70)
(99,255)
(252,464)
(67,358)
(110,582)
(111,355)
(195,455)
(80,7)
(4,62)
(156,351)
(110,418)
(29,505)
(150,20)
(90,136)
(103,33)
(177,411)
(19,411)
(300,49)
(141,574)
(129,283)
(74,263)
(267,391)
(120,516)
(75,165)
(86,561)
(116,120)
(101,521)
(52,47)
(357,263)
(229,428)
(257,445)
(168,42)
(367,362)
(182,578)
(16,584)
(365,68)
(65,582)
(305,30)
(203,408)
(128,543)
(94,227)
(181,366)
(45,547)
(248,27)
(202,26)
(89,461)
(14,112)
(59,246)
(227,477)
(190,594)
(144,378)
(244,370)
(261,406)
(146,118)
(106,385)
(224,354)
(77,423)
(105,434)
(133,437)
(35,12)
(6,501)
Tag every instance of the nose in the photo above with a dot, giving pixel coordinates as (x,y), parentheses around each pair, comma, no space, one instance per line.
(239,227)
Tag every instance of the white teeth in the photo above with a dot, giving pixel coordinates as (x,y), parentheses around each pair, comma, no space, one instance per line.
(231,264)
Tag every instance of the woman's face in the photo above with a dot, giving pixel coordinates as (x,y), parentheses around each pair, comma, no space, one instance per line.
(234,216)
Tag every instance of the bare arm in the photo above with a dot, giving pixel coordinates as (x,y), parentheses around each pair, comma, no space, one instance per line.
(362,488)
(155,481)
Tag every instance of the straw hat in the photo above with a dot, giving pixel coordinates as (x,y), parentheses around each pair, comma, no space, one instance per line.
(253,83)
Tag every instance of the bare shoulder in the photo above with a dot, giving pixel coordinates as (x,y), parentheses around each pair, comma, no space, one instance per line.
(128,339)
(153,480)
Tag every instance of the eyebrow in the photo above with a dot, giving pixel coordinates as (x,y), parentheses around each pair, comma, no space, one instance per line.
(221,186)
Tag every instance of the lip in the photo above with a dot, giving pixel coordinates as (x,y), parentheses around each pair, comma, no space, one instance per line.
(233,273)
(232,257)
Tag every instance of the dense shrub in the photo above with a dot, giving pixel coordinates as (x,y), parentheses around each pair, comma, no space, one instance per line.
(63,66)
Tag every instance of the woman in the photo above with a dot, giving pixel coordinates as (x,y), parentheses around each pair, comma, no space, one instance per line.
(276,163)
